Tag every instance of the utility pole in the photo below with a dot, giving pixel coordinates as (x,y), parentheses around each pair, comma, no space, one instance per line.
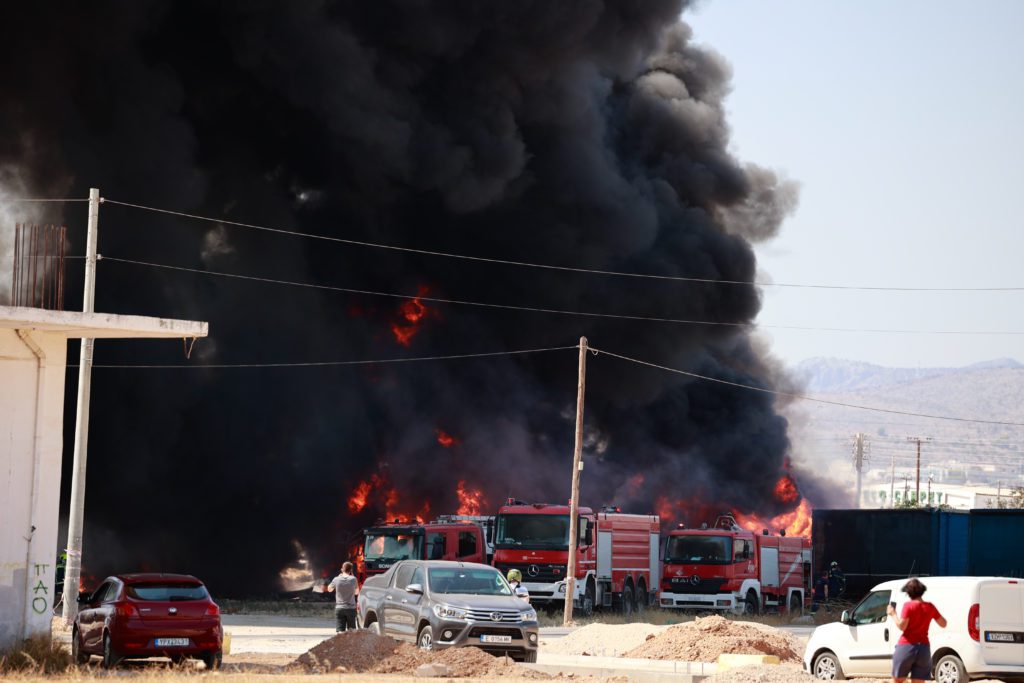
(574,501)
(892,482)
(858,461)
(918,439)
(76,515)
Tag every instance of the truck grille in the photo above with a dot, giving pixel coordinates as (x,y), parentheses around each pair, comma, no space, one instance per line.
(536,573)
(684,584)
(510,616)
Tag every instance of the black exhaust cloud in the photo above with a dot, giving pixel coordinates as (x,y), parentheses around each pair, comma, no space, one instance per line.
(581,133)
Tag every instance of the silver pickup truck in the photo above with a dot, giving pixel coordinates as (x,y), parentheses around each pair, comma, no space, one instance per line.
(438,604)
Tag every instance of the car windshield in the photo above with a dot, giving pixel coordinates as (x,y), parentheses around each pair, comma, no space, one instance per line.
(472,581)
(392,546)
(698,549)
(164,592)
(533,531)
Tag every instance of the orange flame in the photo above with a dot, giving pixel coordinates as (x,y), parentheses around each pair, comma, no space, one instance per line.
(444,438)
(471,502)
(796,523)
(785,490)
(411,314)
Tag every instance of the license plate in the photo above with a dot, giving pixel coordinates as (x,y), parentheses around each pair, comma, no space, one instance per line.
(171,642)
(999,637)
(495,639)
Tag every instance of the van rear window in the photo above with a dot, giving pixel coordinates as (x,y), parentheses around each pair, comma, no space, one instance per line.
(166,592)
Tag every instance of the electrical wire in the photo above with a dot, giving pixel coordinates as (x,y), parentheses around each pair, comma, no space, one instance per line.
(312,364)
(533,309)
(799,396)
(547,266)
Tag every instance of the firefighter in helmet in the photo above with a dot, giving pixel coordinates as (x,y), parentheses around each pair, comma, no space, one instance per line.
(515,580)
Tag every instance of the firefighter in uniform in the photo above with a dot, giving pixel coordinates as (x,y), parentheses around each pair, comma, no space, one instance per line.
(515,580)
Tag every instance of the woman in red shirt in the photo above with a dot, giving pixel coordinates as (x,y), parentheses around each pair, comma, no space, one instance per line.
(913,653)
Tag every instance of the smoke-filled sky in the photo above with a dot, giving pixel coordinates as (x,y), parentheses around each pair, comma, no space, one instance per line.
(590,134)
(902,123)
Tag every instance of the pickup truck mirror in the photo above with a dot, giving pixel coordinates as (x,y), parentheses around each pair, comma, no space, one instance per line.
(416,588)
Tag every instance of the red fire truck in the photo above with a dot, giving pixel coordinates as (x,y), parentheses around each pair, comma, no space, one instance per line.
(449,537)
(728,568)
(616,556)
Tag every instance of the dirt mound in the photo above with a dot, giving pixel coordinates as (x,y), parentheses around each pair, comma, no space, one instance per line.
(601,640)
(704,639)
(765,673)
(363,651)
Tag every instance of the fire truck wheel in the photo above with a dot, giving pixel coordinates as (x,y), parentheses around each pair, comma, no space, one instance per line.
(826,667)
(795,605)
(589,597)
(750,604)
(627,600)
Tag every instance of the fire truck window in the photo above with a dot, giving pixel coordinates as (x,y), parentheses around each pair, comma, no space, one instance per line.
(403,575)
(871,609)
(742,550)
(435,546)
(467,543)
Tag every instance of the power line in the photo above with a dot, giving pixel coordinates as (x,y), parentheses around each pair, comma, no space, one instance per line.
(531,309)
(547,266)
(192,366)
(799,396)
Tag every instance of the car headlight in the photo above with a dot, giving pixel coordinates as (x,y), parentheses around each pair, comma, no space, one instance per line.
(529,615)
(449,612)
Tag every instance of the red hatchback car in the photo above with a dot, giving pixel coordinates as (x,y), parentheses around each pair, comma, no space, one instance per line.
(148,615)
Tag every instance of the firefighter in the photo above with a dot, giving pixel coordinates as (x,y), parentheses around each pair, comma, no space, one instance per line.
(836,581)
(515,580)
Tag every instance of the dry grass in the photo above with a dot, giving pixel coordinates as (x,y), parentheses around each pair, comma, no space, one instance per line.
(38,655)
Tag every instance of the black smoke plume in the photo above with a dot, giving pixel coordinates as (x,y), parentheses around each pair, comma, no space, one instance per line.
(581,133)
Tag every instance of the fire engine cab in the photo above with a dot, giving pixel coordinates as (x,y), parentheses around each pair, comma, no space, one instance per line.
(728,568)
(464,538)
(616,555)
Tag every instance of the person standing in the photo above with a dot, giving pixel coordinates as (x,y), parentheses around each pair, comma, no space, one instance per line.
(836,581)
(515,580)
(820,591)
(345,587)
(913,654)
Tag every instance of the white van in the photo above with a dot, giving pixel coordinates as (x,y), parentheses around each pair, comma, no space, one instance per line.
(983,638)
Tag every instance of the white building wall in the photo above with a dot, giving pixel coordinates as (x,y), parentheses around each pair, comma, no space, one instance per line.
(29,480)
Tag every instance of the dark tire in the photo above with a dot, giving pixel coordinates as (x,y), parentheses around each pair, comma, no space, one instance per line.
(530,657)
(750,606)
(627,600)
(949,669)
(826,668)
(110,656)
(80,656)
(212,660)
(796,605)
(425,639)
(641,598)
(589,599)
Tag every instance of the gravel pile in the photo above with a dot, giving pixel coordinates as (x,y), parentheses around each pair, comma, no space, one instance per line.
(764,673)
(363,651)
(601,640)
(704,639)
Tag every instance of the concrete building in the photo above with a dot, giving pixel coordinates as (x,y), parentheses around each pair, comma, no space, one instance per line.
(956,496)
(33,353)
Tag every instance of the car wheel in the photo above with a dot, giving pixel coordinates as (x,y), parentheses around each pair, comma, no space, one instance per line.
(110,656)
(589,597)
(750,604)
(641,598)
(212,660)
(530,657)
(796,607)
(80,656)
(627,601)
(950,669)
(374,627)
(826,667)
(425,639)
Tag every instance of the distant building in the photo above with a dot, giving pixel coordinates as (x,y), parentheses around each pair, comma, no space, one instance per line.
(956,496)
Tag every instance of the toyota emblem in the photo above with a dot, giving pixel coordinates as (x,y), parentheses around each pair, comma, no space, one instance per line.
(694,579)
(533,570)
(495,616)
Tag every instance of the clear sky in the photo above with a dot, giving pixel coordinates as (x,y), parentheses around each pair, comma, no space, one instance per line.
(904,124)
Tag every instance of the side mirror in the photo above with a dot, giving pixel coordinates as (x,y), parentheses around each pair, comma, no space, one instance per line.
(588,536)
(845,618)
(522,593)
(416,588)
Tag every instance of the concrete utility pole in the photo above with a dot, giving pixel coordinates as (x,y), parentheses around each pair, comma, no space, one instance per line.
(858,461)
(918,439)
(574,501)
(892,482)
(75,518)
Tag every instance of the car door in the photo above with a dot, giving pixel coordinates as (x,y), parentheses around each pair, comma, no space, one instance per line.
(866,645)
(409,603)
(93,617)
(397,622)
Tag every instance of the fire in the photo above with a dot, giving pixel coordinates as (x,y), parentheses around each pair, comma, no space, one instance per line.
(795,523)
(357,501)
(444,438)
(411,313)
(471,502)
(785,490)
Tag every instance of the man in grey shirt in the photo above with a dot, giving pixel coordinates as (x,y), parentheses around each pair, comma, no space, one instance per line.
(345,587)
